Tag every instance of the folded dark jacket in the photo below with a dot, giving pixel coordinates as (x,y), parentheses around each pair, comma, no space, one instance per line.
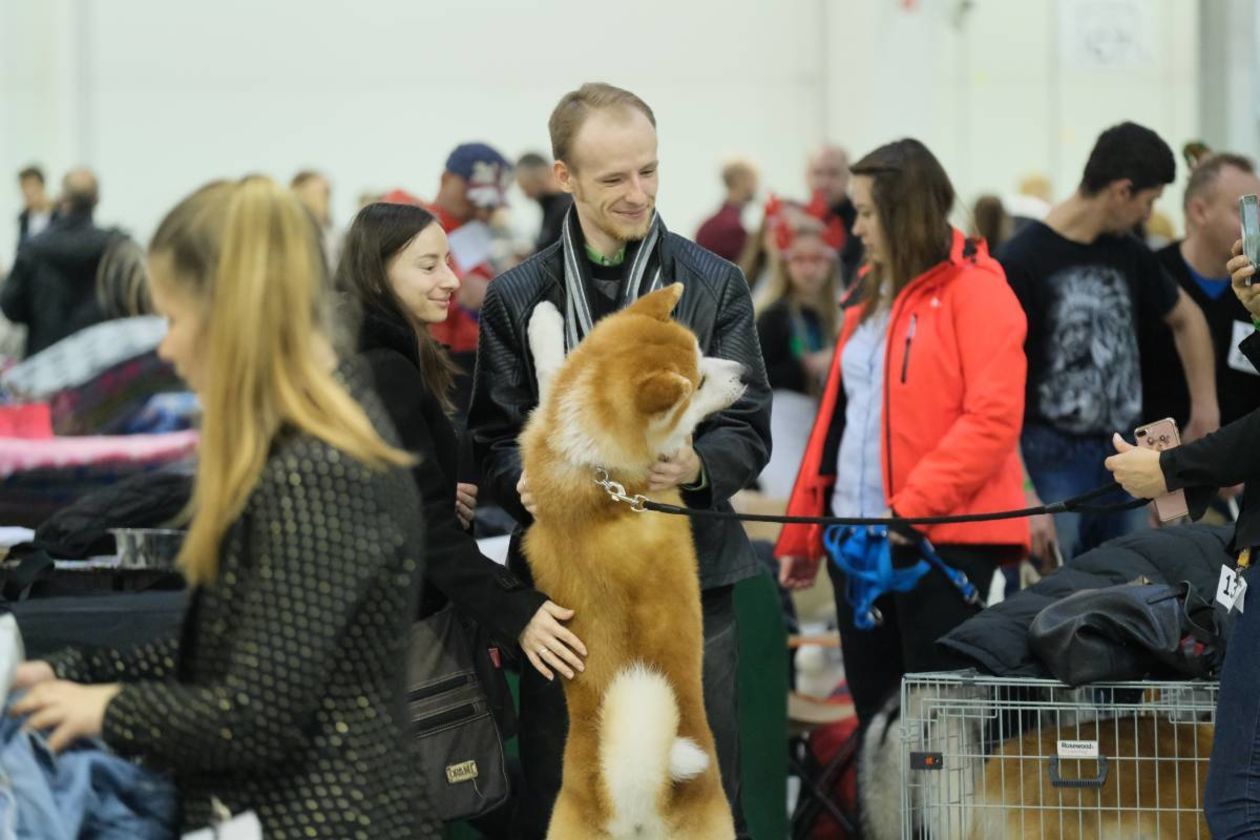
(996,641)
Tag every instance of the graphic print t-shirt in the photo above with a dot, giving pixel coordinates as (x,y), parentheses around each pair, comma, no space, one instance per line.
(1084,304)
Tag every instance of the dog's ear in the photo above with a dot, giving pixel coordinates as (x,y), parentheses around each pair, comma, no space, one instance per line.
(659,392)
(658,304)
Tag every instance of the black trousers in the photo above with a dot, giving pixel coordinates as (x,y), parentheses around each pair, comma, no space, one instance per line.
(875,660)
(544,721)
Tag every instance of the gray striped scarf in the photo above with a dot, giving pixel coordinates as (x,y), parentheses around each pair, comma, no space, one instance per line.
(577,309)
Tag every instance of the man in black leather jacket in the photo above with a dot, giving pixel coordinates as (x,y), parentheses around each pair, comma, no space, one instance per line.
(613,250)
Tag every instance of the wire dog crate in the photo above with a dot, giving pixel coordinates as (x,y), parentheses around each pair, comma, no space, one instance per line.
(986,757)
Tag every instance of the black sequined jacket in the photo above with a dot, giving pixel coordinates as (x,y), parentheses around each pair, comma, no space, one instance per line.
(284,694)
(733,444)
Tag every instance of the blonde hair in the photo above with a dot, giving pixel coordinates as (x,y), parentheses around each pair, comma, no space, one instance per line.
(247,251)
(571,112)
(778,285)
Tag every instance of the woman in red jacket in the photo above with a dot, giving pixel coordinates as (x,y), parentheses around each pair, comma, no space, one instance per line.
(921,415)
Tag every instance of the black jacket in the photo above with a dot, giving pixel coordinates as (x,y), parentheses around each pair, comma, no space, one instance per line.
(285,692)
(52,286)
(1164,391)
(777,331)
(734,444)
(454,567)
(852,253)
(1224,458)
(24,224)
(996,640)
(554,207)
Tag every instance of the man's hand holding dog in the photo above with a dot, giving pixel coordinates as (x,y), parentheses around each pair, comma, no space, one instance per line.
(527,498)
(683,467)
(549,644)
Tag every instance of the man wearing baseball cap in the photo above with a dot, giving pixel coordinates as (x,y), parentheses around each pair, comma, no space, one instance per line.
(474,184)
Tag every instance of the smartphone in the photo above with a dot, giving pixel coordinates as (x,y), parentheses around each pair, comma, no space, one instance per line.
(1161,435)
(1249,214)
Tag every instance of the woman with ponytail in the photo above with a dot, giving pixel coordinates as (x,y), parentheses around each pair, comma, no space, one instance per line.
(395,266)
(284,693)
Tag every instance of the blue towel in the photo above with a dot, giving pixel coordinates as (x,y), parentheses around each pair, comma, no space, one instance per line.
(85,792)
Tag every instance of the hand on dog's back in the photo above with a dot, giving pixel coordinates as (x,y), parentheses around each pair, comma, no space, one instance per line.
(548,644)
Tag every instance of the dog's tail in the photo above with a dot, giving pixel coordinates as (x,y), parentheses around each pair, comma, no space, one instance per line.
(640,751)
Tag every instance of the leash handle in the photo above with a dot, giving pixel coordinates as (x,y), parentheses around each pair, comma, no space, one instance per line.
(864,556)
(1076,504)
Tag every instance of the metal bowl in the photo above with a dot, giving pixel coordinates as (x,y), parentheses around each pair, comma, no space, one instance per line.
(147,548)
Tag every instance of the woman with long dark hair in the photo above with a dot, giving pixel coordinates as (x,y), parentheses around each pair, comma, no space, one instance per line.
(920,416)
(395,266)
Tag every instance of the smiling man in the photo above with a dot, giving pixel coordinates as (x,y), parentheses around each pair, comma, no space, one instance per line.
(612,250)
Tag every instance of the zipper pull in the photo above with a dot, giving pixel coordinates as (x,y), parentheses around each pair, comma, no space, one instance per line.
(905,359)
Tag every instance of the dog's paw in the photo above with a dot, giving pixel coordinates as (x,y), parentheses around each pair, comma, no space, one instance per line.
(686,760)
(546,341)
(546,326)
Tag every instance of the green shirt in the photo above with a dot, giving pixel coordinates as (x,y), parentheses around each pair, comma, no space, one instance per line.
(599,259)
(615,260)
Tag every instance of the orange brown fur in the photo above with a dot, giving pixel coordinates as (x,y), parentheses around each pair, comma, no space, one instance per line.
(1153,787)
(620,400)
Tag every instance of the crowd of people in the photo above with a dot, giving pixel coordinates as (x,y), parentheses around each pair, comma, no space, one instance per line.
(362,390)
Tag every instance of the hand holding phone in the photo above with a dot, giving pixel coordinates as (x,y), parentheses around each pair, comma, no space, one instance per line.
(1249,214)
(1161,435)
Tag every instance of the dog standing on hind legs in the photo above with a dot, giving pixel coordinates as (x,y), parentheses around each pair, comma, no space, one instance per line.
(639,761)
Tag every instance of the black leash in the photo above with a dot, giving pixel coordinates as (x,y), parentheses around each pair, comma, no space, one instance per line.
(1076,504)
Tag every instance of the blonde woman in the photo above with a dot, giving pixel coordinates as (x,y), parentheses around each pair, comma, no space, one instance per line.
(284,694)
(797,311)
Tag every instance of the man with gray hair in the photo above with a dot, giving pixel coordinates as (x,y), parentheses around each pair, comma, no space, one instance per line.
(536,177)
(827,176)
(1198,264)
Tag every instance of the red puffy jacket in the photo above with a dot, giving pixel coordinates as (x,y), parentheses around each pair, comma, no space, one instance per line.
(954,378)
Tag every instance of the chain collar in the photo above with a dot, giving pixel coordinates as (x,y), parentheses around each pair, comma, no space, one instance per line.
(617,491)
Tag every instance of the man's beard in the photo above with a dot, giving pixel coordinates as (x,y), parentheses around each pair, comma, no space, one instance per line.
(629,233)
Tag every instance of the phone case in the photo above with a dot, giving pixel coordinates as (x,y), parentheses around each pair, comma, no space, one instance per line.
(1161,435)
(1249,213)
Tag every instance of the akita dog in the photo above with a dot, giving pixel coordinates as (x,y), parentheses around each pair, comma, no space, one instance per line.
(639,761)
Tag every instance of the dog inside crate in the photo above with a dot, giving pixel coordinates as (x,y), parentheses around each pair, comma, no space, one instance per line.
(965,756)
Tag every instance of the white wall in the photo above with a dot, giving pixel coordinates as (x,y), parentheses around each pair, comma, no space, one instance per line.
(39,103)
(161,96)
(377,93)
(1229,73)
(1000,89)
